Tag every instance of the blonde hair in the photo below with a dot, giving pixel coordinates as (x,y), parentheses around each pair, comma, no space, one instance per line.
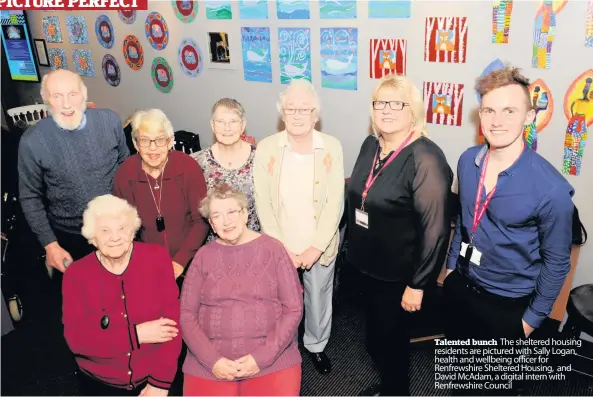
(404,86)
(151,120)
(222,192)
(303,85)
(108,205)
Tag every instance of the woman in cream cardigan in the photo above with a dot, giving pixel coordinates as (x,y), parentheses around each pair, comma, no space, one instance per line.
(299,197)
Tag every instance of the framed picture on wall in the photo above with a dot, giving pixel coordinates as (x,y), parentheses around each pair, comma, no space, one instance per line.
(41,50)
(219,51)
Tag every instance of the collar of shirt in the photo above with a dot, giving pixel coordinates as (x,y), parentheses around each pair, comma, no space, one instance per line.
(512,170)
(173,168)
(317,140)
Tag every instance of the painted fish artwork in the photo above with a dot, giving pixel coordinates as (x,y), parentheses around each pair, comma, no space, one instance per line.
(390,8)
(218,9)
(293,9)
(294,51)
(253,9)
(337,9)
(52,30)
(339,58)
(257,60)
(77,30)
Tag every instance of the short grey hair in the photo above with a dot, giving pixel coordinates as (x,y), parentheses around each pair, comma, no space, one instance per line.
(229,104)
(46,77)
(222,192)
(108,205)
(151,120)
(302,85)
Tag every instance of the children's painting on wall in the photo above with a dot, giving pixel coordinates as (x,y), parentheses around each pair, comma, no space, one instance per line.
(77,31)
(589,25)
(293,9)
(443,103)
(544,31)
(219,50)
(104,31)
(157,31)
(337,9)
(257,60)
(253,9)
(57,58)
(218,9)
(162,75)
(83,63)
(133,52)
(111,72)
(294,50)
(543,104)
(339,58)
(388,56)
(390,9)
(190,57)
(445,39)
(127,16)
(501,21)
(52,30)
(185,11)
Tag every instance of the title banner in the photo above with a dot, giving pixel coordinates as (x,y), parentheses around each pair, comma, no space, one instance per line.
(57,5)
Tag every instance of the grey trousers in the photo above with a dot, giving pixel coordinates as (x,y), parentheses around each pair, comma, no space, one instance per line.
(319,286)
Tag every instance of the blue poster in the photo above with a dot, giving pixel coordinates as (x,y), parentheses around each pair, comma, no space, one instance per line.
(339,58)
(337,9)
(390,8)
(253,9)
(293,9)
(257,62)
(17,46)
(294,51)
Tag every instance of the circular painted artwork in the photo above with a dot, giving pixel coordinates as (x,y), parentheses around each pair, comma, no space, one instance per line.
(185,11)
(156,31)
(133,52)
(111,70)
(162,75)
(128,16)
(190,57)
(104,31)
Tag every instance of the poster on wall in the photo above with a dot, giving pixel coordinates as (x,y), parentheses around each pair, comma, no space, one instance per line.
(343,9)
(578,109)
(83,62)
(157,31)
(388,56)
(543,104)
(111,72)
(162,75)
(257,60)
(185,11)
(253,9)
(390,9)
(104,31)
(190,57)
(589,25)
(57,58)
(294,51)
(445,39)
(52,30)
(293,9)
(339,58)
(127,16)
(443,103)
(218,9)
(77,30)
(219,51)
(501,21)
(133,52)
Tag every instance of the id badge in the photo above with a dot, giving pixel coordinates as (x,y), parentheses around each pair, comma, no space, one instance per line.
(361,218)
(470,253)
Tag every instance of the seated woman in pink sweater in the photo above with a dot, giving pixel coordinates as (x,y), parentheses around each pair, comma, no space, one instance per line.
(241,306)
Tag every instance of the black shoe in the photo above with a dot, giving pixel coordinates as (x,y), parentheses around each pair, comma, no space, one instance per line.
(321,362)
(374,390)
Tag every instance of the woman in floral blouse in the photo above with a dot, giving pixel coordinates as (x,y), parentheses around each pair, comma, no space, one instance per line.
(230,159)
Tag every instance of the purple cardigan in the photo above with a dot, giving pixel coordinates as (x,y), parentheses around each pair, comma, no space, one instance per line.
(240,300)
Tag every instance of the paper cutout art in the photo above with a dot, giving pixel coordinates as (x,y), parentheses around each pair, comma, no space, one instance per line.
(52,30)
(156,31)
(127,16)
(544,32)
(501,21)
(111,71)
(294,51)
(257,60)
(190,57)
(133,52)
(185,11)
(557,5)
(589,25)
(337,9)
(293,9)
(388,56)
(389,8)
(218,9)
(162,75)
(83,62)
(339,58)
(77,31)
(220,52)
(443,103)
(104,31)
(253,9)
(57,58)
(543,104)
(578,108)
(445,39)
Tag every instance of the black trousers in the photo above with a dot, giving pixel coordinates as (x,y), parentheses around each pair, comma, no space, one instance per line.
(89,386)
(387,333)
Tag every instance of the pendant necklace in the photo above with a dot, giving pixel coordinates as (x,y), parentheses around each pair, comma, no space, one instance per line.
(105,318)
(160,220)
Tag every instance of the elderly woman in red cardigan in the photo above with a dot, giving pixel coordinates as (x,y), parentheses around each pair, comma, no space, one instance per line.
(121,307)
(166,187)
(241,306)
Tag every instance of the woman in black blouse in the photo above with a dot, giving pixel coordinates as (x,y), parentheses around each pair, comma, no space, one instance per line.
(399,233)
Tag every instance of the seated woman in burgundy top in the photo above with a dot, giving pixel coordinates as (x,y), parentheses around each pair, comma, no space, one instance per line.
(166,187)
(121,307)
(241,306)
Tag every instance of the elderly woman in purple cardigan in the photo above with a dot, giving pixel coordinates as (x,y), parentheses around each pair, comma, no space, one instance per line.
(241,306)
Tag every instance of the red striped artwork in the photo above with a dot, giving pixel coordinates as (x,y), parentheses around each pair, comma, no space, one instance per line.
(445,39)
(387,56)
(443,103)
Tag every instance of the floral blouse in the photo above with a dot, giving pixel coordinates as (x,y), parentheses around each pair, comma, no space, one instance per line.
(240,178)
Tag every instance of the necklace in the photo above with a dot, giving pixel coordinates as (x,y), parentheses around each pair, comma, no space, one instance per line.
(230,162)
(160,220)
(105,318)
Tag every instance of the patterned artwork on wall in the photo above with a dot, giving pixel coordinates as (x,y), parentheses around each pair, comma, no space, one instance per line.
(445,39)
(253,9)
(190,57)
(390,9)
(543,103)
(157,31)
(578,109)
(57,58)
(294,51)
(334,9)
(293,9)
(501,20)
(52,30)
(218,9)
(133,52)
(443,103)
(185,11)
(111,71)
(162,75)
(127,16)
(339,58)
(83,63)
(589,25)
(544,32)
(387,56)
(77,31)
(257,60)
(104,31)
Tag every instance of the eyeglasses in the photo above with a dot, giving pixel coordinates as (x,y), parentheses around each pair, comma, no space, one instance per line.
(231,216)
(394,105)
(292,112)
(159,142)
(224,123)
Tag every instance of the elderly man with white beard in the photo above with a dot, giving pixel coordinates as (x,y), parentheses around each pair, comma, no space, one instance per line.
(65,161)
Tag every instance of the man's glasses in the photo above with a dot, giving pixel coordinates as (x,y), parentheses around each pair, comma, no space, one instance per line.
(159,142)
(394,105)
(292,112)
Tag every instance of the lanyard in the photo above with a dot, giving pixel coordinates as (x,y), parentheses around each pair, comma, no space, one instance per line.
(479,212)
(371,179)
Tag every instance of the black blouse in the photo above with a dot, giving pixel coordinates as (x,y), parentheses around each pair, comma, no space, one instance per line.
(408,209)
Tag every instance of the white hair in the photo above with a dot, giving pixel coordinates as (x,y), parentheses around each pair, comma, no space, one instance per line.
(108,205)
(151,120)
(302,85)
(46,77)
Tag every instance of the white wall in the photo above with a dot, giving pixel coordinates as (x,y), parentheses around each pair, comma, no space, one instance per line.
(345,113)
